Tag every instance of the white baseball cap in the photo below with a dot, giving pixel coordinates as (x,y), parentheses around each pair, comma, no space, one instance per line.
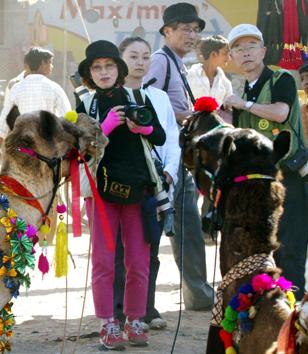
(244,30)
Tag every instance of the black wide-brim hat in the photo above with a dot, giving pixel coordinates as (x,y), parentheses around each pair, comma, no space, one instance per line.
(181,12)
(102,49)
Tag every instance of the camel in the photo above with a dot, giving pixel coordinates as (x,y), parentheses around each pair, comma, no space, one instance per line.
(35,154)
(249,212)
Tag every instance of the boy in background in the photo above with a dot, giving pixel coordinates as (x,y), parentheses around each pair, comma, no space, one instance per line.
(207,78)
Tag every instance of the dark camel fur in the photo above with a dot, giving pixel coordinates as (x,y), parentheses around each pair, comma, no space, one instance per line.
(250,210)
(51,137)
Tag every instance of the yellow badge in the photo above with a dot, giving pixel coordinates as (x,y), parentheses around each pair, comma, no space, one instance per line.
(263,124)
(121,190)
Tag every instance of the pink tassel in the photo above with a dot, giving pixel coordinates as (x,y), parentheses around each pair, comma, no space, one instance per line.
(43,264)
(284,284)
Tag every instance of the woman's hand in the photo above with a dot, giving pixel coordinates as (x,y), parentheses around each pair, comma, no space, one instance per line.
(114,118)
(135,128)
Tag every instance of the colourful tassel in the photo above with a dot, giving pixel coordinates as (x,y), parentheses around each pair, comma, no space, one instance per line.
(230,350)
(61,262)
(43,264)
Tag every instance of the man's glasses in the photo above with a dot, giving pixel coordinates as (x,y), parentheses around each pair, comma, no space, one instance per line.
(99,68)
(241,50)
(187,30)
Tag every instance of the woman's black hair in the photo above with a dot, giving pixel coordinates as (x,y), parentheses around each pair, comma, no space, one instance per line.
(88,81)
(129,40)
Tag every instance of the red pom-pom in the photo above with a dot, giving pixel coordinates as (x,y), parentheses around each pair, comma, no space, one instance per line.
(244,302)
(226,338)
(206,104)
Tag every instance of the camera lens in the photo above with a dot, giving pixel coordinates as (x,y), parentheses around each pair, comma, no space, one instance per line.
(141,115)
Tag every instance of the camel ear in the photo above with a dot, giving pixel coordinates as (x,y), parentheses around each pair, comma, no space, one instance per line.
(282,145)
(48,125)
(228,146)
(12,116)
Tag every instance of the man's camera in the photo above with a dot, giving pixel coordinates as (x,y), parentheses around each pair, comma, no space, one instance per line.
(140,115)
(164,206)
(163,203)
(299,162)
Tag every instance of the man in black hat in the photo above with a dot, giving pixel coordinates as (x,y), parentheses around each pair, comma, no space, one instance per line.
(181,28)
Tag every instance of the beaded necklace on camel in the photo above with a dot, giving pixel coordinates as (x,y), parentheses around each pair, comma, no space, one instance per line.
(241,310)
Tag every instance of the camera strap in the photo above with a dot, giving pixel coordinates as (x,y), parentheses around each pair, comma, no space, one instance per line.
(138,96)
(140,99)
(169,52)
(90,104)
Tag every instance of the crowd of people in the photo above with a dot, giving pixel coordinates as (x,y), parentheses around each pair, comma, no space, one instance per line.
(115,80)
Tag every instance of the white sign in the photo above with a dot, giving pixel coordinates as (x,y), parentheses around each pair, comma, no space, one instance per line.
(114,20)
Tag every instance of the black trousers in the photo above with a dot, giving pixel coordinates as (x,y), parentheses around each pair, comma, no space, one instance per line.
(293,231)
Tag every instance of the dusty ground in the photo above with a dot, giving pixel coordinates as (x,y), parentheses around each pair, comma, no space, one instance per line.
(40,313)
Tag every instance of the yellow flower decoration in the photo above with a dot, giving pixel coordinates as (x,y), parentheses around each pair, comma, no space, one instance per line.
(4,271)
(11,213)
(6,220)
(6,259)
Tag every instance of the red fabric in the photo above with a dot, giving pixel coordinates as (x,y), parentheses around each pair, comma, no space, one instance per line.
(76,215)
(291,56)
(11,185)
(286,343)
(101,210)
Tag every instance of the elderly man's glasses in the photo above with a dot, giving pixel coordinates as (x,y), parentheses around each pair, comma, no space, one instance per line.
(241,50)
(187,30)
(96,68)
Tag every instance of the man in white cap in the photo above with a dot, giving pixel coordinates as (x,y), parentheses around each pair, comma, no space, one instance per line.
(270,104)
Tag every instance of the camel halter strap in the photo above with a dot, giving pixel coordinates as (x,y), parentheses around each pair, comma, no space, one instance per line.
(54,164)
(247,266)
(238,179)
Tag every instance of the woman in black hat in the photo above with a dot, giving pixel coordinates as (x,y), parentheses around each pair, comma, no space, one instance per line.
(123,180)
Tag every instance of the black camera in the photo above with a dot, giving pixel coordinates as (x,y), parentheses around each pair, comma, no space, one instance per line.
(299,162)
(140,115)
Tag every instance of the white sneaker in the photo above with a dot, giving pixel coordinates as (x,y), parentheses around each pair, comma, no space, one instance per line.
(158,323)
(145,326)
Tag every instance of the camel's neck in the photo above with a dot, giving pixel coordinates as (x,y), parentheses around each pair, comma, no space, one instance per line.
(39,182)
(251,214)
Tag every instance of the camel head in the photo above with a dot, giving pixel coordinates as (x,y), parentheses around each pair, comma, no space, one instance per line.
(51,137)
(248,194)
(236,152)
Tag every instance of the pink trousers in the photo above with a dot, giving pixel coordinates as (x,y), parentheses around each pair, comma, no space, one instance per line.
(136,260)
